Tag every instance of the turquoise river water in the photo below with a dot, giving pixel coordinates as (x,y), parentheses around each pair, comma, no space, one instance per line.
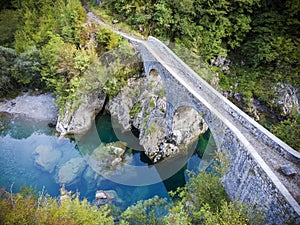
(19,137)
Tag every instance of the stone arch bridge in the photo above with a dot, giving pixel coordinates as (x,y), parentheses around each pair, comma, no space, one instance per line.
(255,153)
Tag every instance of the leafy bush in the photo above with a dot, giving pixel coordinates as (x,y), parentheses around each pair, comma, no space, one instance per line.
(145,212)
(289,131)
(7,82)
(27,68)
(107,40)
(30,207)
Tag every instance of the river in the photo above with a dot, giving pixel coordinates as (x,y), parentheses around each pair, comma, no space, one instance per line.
(139,178)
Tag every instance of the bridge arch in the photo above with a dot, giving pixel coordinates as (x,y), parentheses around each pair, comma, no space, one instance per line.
(252,175)
(177,97)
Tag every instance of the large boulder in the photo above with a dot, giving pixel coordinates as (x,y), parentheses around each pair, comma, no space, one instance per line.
(46,157)
(71,171)
(187,125)
(78,119)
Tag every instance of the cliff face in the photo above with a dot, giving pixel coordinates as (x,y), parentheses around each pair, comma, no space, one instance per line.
(141,107)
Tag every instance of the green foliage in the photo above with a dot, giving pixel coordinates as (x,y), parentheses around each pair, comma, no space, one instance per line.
(107,40)
(210,28)
(177,215)
(38,18)
(27,68)
(30,207)
(123,63)
(7,82)
(206,188)
(8,26)
(289,131)
(19,70)
(153,128)
(145,212)
(73,211)
(231,213)
(70,21)
(203,201)
(63,66)
(136,108)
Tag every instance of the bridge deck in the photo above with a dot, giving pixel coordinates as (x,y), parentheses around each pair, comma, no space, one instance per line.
(200,90)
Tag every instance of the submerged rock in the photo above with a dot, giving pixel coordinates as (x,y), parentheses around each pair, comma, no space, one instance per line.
(71,171)
(106,197)
(46,158)
(108,157)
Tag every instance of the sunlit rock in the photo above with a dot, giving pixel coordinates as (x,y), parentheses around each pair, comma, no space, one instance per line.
(286,99)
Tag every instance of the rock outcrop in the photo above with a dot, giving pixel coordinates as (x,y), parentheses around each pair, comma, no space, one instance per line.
(107,158)
(286,99)
(71,171)
(78,118)
(46,157)
(142,105)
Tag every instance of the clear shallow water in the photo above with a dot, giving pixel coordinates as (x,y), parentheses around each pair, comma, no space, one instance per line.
(19,137)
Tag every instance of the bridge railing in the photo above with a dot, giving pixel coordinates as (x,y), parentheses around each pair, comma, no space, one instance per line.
(255,128)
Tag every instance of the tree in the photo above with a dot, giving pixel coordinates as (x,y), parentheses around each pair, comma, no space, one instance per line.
(289,131)
(8,26)
(7,82)
(27,68)
(31,207)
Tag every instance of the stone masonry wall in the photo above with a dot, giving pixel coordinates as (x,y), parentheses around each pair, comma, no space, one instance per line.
(248,182)
(249,179)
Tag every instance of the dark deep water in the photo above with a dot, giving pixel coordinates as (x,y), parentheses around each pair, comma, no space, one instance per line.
(137,179)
